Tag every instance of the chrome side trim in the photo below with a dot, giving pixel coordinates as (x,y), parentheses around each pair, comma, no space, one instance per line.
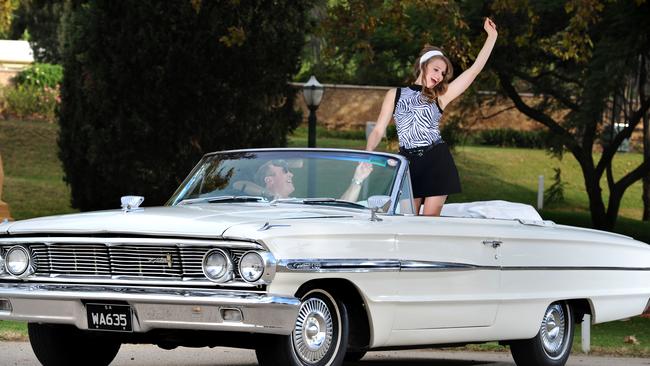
(424,266)
(394,265)
(573,268)
(338,265)
(372,265)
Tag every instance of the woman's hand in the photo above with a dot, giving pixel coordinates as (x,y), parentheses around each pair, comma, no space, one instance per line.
(490,28)
(362,171)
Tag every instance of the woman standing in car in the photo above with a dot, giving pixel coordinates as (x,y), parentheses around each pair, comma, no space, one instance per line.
(417,110)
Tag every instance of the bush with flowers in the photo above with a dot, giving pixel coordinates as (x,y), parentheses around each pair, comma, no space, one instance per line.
(34,94)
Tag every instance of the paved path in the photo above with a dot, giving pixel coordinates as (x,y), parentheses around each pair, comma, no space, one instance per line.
(20,354)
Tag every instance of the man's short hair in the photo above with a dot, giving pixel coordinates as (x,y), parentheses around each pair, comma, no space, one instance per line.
(265,170)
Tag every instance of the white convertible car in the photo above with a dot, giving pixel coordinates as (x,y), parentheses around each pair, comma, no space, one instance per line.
(311,257)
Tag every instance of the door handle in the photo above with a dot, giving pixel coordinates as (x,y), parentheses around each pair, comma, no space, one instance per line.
(493,243)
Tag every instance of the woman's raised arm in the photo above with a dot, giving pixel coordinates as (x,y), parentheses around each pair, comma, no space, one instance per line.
(464,80)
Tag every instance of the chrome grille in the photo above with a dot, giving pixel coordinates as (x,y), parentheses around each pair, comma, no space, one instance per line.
(144,261)
(149,261)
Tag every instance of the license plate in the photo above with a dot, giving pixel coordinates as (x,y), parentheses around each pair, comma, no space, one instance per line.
(110,317)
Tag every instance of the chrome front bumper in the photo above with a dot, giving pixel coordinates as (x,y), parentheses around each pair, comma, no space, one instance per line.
(153,307)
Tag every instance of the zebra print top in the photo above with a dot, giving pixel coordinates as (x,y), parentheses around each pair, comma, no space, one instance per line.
(417,120)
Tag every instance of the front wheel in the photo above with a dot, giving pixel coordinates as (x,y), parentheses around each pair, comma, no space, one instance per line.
(66,345)
(319,337)
(552,344)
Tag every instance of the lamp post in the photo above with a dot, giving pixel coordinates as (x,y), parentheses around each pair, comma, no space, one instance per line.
(313,93)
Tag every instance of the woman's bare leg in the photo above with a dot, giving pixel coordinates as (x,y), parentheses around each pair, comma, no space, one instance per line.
(417,202)
(433,205)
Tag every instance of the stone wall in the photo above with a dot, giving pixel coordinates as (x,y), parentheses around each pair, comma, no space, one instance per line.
(350,107)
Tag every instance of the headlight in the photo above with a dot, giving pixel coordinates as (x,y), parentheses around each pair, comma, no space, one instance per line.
(217,266)
(17,260)
(251,267)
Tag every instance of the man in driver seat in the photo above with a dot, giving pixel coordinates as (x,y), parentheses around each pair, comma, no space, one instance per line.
(275,180)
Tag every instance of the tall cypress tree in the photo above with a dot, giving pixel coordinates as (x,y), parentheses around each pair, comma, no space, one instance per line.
(150,86)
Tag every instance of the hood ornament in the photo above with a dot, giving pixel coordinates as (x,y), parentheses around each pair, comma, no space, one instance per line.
(131,203)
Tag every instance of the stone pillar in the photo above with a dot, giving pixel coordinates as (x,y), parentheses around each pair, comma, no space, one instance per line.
(4,208)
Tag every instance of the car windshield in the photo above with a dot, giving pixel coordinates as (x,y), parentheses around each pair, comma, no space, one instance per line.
(317,177)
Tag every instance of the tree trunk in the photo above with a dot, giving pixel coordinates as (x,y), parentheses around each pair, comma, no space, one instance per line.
(599,219)
(643,74)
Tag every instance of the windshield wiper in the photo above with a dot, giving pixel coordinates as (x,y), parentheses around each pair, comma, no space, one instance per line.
(223,199)
(332,202)
(318,201)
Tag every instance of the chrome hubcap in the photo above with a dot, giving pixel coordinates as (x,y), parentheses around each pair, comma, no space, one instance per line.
(312,336)
(553,330)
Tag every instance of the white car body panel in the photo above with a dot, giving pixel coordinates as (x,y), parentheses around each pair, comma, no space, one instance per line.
(436,307)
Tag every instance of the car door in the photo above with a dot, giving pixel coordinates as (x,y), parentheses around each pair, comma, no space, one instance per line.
(450,272)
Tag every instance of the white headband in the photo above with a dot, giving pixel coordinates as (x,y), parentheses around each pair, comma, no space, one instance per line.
(428,55)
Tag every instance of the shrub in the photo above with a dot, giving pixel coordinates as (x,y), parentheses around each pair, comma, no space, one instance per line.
(391,132)
(452,132)
(31,102)
(40,75)
(555,193)
(508,137)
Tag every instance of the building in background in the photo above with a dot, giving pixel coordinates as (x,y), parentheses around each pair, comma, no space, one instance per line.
(14,56)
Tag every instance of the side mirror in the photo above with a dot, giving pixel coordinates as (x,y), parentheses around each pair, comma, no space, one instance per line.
(379,202)
(131,203)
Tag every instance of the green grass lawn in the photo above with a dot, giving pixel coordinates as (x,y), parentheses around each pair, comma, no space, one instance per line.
(33,183)
(13,331)
(34,187)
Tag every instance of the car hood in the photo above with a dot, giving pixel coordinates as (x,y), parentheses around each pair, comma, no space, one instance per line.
(196,220)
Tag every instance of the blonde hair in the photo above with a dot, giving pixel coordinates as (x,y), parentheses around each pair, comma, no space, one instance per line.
(441,88)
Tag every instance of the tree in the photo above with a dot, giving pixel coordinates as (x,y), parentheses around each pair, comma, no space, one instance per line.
(578,57)
(7,8)
(150,86)
(41,20)
(375,42)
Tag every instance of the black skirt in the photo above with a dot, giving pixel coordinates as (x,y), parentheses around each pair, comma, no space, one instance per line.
(433,171)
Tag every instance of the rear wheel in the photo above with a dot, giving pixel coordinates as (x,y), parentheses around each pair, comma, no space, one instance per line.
(319,337)
(552,344)
(55,345)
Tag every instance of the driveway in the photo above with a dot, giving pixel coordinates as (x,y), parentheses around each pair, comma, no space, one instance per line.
(20,353)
